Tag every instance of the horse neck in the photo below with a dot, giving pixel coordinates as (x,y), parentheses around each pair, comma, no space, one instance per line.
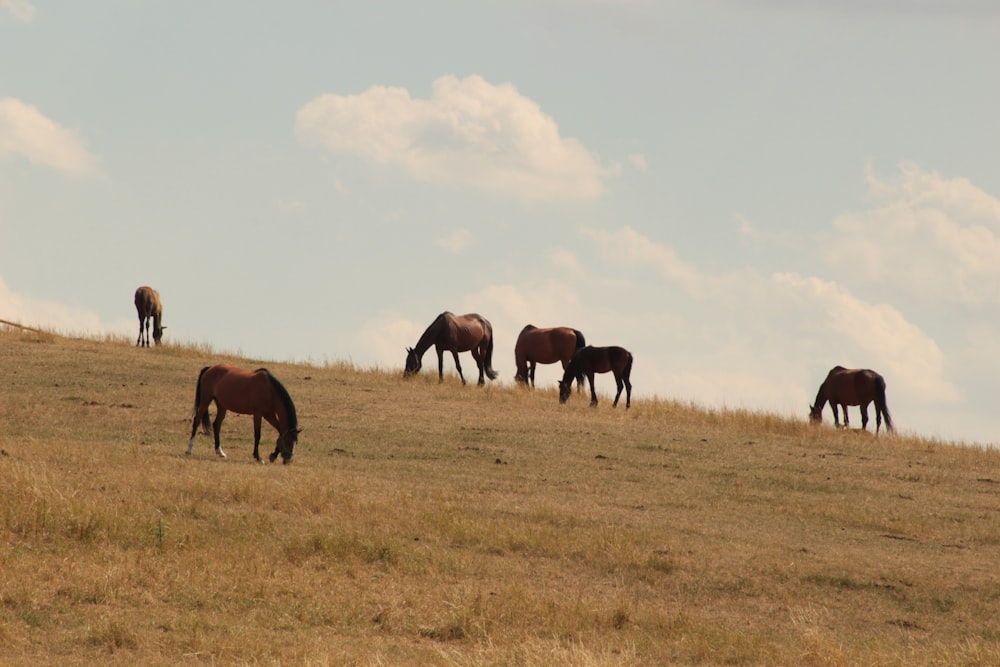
(821,397)
(430,336)
(571,370)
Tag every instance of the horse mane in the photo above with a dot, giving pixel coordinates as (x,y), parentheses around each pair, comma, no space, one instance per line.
(427,338)
(574,361)
(286,399)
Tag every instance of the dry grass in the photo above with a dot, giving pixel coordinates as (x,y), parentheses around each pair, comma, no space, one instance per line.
(435,524)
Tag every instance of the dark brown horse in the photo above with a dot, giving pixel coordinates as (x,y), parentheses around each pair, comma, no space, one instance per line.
(592,360)
(545,346)
(845,387)
(455,333)
(147,305)
(256,393)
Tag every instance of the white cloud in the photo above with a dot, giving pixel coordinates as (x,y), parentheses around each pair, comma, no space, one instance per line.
(926,235)
(55,316)
(25,131)
(629,248)
(872,334)
(745,339)
(638,161)
(22,10)
(470,132)
(455,242)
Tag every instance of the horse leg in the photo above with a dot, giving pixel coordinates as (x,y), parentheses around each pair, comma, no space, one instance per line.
(864,416)
(139,339)
(440,354)
(621,385)
(531,374)
(847,419)
(836,416)
(216,428)
(628,390)
(458,366)
(593,392)
(273,421)
(480,357)
(256,437)
(194,428)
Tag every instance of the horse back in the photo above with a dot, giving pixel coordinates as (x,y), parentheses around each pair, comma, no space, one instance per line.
(237,389)
(603,359)
(852,386)
(546,346)
(467,331)
(147,301)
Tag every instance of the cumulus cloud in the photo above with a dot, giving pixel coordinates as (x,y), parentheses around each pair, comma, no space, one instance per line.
(455,242)
(53,315)
(925,235)
(470,132)
(627,247)
(25,131)
(22,10)
(746,337)
(874,333)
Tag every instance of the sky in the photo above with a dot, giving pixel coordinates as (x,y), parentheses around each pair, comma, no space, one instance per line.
(743,193)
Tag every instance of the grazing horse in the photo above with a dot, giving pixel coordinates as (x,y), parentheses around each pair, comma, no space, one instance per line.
(859,387)
(545,346)
(147,305)
(592,360)
(455,333)
(256,393)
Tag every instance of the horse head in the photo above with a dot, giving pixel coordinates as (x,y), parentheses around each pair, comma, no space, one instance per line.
(286,443)
(158,334)
(412,363)
(815,414)
(565,390)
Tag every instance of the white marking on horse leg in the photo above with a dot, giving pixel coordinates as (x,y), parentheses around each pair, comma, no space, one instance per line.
(221,453)
(190,446)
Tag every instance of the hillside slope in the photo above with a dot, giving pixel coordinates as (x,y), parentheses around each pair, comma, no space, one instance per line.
(426,523)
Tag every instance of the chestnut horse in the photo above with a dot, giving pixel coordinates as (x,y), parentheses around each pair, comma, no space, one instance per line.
(256,393)
(147,305)
(592,360)
(859,387)
(455,333)
(545,346)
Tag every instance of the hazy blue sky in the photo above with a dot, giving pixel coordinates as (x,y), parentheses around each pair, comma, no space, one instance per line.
(743,193)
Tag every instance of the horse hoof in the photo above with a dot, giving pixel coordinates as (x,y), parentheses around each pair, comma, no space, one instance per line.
(221,453)
(272,457)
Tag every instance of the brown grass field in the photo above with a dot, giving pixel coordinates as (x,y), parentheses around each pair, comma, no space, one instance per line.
(435,524)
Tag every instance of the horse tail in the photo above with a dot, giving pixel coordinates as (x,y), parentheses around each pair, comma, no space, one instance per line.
(205,424)
(581,342)
(880,403)
(627,371)
(488,364)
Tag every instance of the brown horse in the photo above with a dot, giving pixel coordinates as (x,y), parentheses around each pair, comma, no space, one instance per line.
(592,360)
(147,305)
(455,333)
(256,393)
(545,346)
(845,387)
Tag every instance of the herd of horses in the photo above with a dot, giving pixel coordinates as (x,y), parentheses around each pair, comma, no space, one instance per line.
(260,394)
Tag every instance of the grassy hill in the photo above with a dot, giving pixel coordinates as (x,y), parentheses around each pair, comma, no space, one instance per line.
(447,525)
